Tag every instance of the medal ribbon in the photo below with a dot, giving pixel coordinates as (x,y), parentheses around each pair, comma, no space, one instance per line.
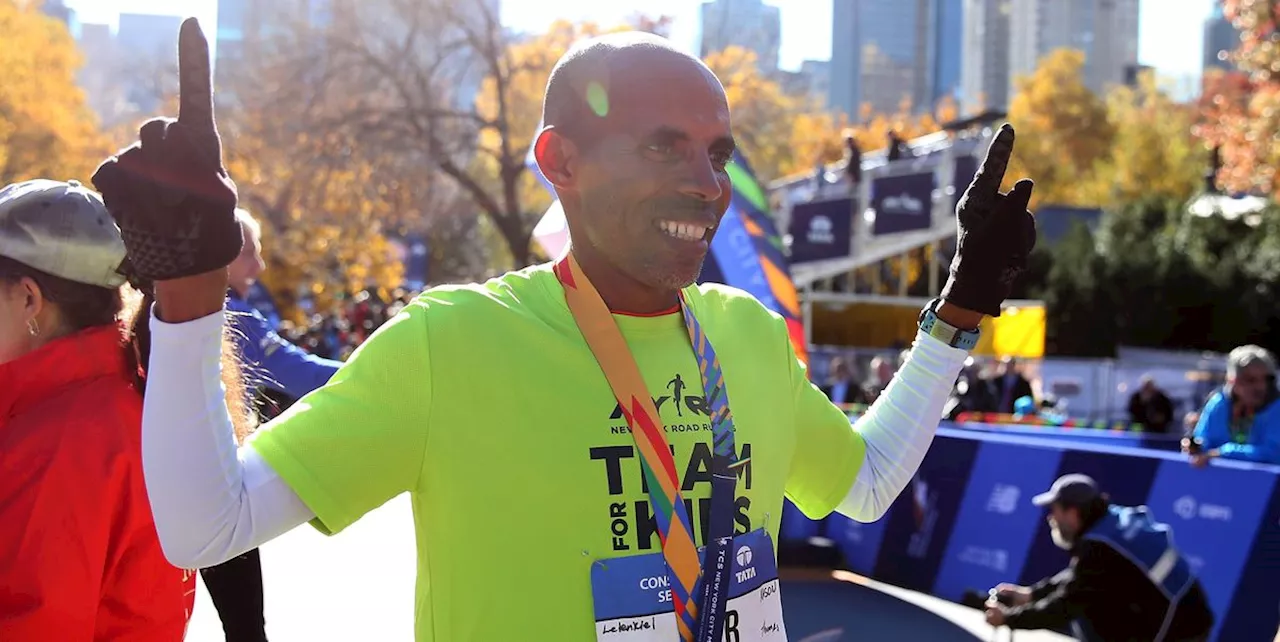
(699,600)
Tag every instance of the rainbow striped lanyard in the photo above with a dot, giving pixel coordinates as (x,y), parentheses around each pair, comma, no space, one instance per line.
(699,598)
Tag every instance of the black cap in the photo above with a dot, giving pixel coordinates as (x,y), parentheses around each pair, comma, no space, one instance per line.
(1072,490)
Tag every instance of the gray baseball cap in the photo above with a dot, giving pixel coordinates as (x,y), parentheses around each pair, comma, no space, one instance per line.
(62,229)
(1073,490)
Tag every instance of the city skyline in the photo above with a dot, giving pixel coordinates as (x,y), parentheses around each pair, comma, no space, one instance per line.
(1170,31)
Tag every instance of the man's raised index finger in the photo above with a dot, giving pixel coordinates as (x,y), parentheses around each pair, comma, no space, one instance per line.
(195,80)
(991,174)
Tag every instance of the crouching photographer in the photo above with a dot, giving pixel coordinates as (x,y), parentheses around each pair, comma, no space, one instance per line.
(1126,580)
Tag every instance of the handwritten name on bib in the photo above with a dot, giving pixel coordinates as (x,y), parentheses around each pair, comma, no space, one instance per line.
(632,596)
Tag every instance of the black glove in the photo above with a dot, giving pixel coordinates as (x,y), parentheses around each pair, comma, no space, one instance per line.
(169,193)
(996,234)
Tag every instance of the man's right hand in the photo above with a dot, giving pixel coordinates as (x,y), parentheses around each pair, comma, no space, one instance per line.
(1013,594)
(171,196)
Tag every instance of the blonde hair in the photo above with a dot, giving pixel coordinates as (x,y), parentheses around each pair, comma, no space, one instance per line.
(249,222)
(135,315)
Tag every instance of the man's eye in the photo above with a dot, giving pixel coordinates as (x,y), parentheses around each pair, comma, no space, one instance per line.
(665,149)
(722,159)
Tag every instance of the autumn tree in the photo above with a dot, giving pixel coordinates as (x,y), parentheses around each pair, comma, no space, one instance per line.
(1154,155)
(907,122)
(328,200)
(413,71)
(1063,130)
(46,127)
(511,102)
(780,133)
(1242,113)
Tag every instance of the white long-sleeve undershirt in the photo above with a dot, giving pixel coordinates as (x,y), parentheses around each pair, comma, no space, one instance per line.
(213,500)
(900,425)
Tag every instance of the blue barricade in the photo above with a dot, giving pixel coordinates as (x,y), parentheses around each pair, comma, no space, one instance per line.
(1083,435)
(967,522)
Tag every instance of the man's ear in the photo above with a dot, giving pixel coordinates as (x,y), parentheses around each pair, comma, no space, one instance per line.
(556,156)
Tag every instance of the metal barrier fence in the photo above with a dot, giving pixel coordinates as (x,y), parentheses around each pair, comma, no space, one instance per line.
(1095,390)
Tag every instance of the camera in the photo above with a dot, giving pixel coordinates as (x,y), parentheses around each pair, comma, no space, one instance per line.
(975,600)
(1003,600)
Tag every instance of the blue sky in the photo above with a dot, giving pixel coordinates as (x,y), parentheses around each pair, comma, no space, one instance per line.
(1170,37)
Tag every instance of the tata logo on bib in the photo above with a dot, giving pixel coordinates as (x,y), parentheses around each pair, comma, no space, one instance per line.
(744,562)
(820,230)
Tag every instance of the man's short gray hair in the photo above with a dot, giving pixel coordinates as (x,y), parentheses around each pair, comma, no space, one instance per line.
(1246,356)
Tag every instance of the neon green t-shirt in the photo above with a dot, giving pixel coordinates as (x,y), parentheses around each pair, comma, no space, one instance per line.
(485,403)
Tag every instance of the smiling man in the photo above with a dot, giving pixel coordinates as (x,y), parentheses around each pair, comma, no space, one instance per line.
(571,433)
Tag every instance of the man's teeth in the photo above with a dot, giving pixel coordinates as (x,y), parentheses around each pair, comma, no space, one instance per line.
(683,231)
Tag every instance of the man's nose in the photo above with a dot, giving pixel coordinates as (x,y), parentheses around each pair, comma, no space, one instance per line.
(704,181)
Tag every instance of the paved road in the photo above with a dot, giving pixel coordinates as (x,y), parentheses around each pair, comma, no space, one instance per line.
(359,586)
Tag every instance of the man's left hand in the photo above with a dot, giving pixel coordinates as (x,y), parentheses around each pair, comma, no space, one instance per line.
(995,614)
(1201,460)
(169,192)
(995,237)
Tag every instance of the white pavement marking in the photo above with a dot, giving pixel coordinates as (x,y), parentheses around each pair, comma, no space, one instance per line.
(357,585)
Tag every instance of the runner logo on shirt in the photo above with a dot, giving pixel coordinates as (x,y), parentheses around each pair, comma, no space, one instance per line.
(690,407)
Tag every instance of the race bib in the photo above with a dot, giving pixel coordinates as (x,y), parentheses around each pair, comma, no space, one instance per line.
(632,596)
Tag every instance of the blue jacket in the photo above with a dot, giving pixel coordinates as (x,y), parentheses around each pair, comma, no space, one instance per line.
(269,359)
(1263,443)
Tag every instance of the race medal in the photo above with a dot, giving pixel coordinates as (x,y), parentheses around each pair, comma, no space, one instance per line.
(631,596)
(695,587)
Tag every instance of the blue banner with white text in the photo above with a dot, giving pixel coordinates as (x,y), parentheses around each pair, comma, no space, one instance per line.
(966,522)
(821,230)
(902,203)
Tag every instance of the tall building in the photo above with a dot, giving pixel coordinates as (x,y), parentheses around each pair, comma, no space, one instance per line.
(883,53)
(58,10)
(813,79)
(246,24)
(947,27)
(153,37)
(1105,30)
(101,76)
(148,45)
(750,24)
(1220,38)
(984,59)
(441,43)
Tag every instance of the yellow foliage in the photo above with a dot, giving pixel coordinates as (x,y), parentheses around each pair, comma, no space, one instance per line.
(531,62)
(1083,150)
(1063,131)
(779,133)
(46,128)
(873,131)
(325,203)
(1153,153)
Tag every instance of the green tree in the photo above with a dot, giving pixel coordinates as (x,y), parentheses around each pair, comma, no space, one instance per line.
(1078,304)
(1153,153)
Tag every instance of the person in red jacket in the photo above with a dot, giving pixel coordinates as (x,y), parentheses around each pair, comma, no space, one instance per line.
(79,556)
